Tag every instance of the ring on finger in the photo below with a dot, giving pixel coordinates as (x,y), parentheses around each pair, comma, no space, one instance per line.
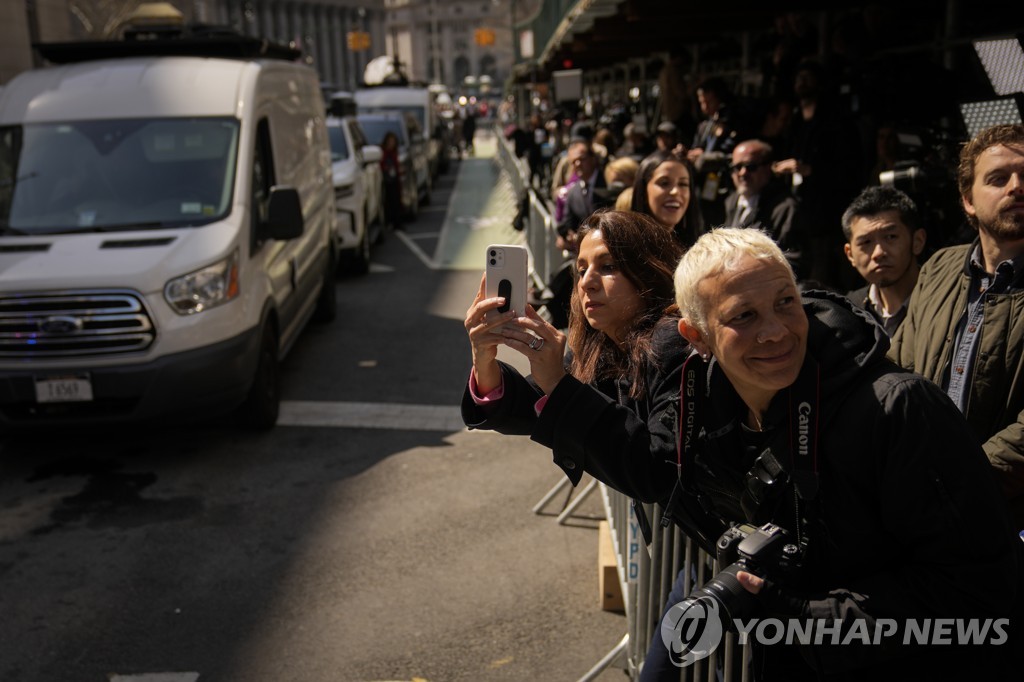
(536,344)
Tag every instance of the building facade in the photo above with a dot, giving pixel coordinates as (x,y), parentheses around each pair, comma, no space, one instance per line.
(467,46)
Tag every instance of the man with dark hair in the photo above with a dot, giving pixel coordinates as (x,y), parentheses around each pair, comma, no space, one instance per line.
(884,239)
(714,140)
(965,326)
(762,201)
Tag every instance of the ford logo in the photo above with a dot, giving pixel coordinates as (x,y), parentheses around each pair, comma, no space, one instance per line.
(60,325)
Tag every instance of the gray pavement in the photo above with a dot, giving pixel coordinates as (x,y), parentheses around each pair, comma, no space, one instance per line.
(367,538)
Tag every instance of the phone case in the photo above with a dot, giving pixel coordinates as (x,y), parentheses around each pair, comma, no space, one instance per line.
(506,268)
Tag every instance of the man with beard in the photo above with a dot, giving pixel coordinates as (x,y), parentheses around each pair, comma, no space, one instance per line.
(965,326)
(884,238)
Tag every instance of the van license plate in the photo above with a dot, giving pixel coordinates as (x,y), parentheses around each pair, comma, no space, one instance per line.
(65,389)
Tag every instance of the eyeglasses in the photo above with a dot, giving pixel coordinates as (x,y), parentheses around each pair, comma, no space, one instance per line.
(749,167)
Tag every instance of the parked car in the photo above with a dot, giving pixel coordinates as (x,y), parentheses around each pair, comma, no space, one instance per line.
(411,153)
(358,193)
(167,220)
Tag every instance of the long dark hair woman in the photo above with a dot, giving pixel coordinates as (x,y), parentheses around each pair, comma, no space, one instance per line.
(663,189)
(608,404)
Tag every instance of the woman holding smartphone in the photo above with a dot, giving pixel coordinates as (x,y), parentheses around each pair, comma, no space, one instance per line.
(616,396)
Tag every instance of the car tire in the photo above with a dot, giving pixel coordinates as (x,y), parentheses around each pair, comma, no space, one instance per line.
(412,210)
(327,301)
(262,404)
(360,257)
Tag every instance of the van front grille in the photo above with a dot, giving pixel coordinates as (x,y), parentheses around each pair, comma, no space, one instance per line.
(73,323)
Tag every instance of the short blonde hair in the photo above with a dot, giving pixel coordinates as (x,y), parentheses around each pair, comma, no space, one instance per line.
(624,200)
(623,169)
(713,253)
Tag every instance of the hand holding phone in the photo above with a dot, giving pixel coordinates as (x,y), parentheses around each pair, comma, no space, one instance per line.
(506,274)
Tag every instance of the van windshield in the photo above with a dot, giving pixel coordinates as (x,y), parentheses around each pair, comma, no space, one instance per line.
(417,111)
(124,174)
(376,128)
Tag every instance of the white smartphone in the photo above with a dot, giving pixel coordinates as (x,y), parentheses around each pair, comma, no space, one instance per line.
(506,270)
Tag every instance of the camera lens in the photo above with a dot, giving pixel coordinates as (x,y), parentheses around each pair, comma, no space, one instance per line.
(494,262)
(724,588)
(493,252)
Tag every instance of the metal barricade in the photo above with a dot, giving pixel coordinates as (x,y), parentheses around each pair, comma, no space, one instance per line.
(646,576)
(539,227)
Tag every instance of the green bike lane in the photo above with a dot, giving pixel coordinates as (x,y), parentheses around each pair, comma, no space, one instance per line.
(480,211)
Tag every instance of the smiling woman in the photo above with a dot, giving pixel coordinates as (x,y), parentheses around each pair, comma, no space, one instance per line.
(663,189)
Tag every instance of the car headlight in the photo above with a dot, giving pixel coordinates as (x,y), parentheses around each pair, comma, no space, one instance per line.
(204,289)
(343,191)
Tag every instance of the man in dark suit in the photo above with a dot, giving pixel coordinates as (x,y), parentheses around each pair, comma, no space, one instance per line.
(762,201)
(587,194)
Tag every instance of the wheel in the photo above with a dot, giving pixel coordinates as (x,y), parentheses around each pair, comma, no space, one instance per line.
(263,402)
(412,209)
(327,301)
(360,263)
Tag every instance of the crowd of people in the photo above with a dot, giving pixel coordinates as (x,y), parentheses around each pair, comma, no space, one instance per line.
(716,359)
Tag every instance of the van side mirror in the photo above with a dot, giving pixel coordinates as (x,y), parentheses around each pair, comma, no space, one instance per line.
(372,154)
(284,214)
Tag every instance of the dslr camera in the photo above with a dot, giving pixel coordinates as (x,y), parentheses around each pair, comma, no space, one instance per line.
(768,550)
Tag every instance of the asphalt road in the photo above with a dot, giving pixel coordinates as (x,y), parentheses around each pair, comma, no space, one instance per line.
(368,537)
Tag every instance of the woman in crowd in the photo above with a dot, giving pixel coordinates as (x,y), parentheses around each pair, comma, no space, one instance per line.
(391,168)
(664,190)
(617,398)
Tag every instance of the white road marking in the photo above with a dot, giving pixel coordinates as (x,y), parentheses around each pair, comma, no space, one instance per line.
(397,416)
(415,248)
(156,677)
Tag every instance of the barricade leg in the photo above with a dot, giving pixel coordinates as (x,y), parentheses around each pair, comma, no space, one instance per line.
(577,501)
(562,482)
(607,661)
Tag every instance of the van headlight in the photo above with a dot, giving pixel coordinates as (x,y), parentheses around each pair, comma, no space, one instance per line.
(204,289)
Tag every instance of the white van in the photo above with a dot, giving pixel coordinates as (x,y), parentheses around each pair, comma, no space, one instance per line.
(165,230)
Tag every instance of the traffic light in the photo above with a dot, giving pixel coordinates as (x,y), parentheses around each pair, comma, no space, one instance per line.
(358,40)
(483,36)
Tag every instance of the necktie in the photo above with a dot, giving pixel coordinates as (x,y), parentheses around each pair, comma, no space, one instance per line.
(744,213)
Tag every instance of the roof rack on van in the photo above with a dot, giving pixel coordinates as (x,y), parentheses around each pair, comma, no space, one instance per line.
(191,41)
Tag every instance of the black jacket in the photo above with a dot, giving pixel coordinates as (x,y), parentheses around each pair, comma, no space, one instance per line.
(907,521)
(597,427)
(860,298)
(581,201)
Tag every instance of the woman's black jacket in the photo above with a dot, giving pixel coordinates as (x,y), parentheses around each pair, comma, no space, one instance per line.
(598,428)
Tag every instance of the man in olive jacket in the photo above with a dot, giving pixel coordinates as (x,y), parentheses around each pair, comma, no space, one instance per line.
(965,325)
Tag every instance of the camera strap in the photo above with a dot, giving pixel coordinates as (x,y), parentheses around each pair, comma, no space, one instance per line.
(800,467)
